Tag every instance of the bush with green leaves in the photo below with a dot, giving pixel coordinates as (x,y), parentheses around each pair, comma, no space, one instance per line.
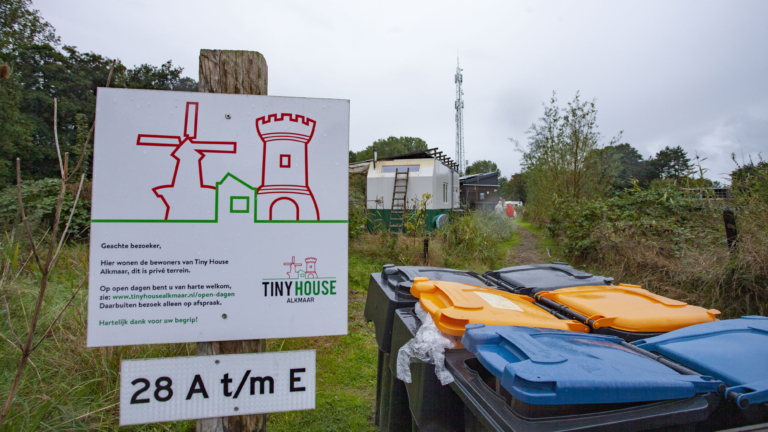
(663,214)
(40,198)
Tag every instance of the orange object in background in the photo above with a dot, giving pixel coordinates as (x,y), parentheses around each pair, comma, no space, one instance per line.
(511,210)
(629,308)
(454,305)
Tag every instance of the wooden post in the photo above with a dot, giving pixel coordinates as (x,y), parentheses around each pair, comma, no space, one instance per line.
(731,232)
(232,72)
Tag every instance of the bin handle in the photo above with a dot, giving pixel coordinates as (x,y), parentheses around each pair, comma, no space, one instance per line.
(748,394)
(599,321)
(663,360)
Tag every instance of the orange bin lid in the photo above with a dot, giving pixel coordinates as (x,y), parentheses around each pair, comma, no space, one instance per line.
(629,308)
(454,305)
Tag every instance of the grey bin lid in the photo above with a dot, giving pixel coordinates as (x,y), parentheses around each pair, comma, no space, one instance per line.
(400,278)
(531,279)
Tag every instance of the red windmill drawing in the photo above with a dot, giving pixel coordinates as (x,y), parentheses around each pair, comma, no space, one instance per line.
(187,196)
(284,193)
(292,267)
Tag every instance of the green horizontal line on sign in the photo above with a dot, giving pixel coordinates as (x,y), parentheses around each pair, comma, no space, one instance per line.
(301,221)
(206,221)
(153,221)
(306,279)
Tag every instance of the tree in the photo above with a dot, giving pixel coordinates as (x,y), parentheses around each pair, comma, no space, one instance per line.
(622,163)
(560,158)
(40,72)
(165,77)
(15,130)
(21,26)
(481,166)
(44,73)
(514,188)
(389,147)
(672,163)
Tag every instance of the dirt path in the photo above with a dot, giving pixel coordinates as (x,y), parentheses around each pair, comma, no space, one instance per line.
(527,251)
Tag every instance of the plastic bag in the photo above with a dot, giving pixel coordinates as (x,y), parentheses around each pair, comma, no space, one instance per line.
(429,346)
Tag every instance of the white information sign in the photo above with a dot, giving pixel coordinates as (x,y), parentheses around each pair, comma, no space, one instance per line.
(187,388)
(217,217)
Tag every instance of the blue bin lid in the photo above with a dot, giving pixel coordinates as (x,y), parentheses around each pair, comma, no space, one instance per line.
(557,367)
(733,351)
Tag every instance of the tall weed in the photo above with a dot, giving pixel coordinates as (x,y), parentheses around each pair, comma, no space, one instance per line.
(67,385)
(475,241)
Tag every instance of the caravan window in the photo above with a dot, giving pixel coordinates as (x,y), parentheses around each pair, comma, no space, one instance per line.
(445,192)
(400,168)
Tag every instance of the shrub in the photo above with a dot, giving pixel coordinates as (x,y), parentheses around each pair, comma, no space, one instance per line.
(40,197)
(673,242)
(476,237)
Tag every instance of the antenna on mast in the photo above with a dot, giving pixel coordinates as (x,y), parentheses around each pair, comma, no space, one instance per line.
(458,78)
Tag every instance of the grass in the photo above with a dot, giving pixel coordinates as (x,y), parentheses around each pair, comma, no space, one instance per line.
(346,368)
(68,386)
(546,245)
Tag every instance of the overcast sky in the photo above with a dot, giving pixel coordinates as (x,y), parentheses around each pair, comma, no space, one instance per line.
(688,73)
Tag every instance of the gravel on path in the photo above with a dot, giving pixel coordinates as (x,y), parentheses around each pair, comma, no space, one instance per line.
(527,251)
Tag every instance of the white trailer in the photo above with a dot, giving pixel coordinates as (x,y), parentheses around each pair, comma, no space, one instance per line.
(426,176)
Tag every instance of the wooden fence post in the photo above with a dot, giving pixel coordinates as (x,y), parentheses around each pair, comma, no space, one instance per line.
(731,232)
(233,72)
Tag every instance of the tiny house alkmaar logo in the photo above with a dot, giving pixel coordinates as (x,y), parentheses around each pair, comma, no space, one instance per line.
(303,283)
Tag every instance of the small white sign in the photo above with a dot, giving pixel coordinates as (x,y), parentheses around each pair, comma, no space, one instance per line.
(187,388)
(498,301)
(217,217)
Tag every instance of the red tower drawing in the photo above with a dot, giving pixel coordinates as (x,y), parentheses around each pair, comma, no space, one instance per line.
(284,172)
(311,272)
(187,199)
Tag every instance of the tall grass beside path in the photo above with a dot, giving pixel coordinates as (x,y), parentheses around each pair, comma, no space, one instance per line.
(672,243)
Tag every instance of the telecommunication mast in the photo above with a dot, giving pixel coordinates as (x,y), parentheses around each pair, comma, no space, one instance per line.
(459,119)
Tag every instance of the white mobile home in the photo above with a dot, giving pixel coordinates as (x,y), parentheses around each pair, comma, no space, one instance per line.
(397,185)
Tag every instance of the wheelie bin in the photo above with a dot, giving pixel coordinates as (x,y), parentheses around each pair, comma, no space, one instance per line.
(530,279)
(451,306)
(431,405)
(626,311)
(454,305)
(734,351)
(389,291)
(392,401)
(534,379)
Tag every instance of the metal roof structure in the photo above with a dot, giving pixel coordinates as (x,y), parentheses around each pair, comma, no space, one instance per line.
(433,153)
(480,178)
